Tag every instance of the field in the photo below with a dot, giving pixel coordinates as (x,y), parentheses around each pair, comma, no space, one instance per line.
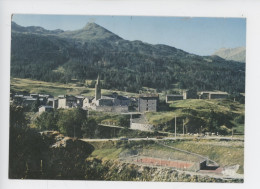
(223,152)
(55,89)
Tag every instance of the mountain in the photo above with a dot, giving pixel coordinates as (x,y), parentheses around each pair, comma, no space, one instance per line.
(59,56)
(237,54)
(91,31)
(33,29)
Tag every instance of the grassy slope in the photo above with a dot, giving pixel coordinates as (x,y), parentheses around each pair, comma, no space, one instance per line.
(224,153)
(34,86)
(106,150)
(200,106)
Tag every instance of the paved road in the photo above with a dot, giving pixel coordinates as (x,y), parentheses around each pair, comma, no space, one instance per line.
(155,139)
(179,136)
(115,139)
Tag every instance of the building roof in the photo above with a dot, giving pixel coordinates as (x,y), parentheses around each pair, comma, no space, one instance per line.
(29,99)
(52,99)
(106,97)
(89,97)
(80,96)
(122,97)
(148,95)
(214,92)
(44,95)
(43,106)
(175,95)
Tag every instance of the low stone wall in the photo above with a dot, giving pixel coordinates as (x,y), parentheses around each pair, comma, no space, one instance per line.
(142,126)
(118,109)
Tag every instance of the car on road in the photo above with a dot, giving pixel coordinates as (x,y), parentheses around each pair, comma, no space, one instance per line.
(159,137)
(123,138)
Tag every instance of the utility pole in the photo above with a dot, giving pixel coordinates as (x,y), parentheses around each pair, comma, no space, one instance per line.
(74,131)
(183,126)
(175,126)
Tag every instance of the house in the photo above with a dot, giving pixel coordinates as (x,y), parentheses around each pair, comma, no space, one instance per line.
(34,95)
(148,102)
(80,100)
(170,98)
(28,101)
(174,97)
(87,101)
(52,102)
(67,102)
(212,95)
(45,109)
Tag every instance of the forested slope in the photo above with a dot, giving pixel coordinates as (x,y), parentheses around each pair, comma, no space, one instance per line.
(59,56)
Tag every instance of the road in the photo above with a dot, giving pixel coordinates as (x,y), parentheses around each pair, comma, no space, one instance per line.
(163,139)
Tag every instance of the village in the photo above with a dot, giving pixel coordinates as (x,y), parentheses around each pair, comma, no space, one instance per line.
(132,105)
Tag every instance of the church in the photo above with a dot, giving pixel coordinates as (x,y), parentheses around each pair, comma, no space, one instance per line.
(109,103)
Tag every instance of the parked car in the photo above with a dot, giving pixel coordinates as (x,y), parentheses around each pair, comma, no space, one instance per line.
(123,138)
(159,137)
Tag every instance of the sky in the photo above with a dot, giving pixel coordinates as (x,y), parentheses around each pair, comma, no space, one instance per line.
(201,36)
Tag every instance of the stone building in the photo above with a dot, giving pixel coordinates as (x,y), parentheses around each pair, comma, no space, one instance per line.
(171,98)
(67,102)
(45,109)
(52,102)
(174,97)
(212,95)
(148,102)
(109,103)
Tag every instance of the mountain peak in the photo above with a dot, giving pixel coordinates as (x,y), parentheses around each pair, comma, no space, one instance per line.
(91,31)
(91,25)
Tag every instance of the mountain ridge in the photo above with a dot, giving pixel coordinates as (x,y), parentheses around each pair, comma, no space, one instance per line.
(122,64)
(235,54)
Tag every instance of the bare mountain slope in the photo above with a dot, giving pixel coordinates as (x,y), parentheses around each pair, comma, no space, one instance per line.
(237,54)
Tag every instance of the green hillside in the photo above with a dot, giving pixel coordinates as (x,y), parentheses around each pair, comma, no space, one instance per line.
(210,115)
(58,56)
(55,89)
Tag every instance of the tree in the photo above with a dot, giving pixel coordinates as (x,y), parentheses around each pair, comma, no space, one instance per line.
(26,147)
(70,122)
(47,121)
(89,127)
(17,117)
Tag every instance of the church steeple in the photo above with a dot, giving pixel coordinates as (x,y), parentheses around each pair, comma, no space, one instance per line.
(98,89)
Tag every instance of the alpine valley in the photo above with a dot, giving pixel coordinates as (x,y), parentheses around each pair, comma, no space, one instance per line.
(64,56)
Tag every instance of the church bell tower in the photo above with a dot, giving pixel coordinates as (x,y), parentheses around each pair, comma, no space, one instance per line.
(98,89)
